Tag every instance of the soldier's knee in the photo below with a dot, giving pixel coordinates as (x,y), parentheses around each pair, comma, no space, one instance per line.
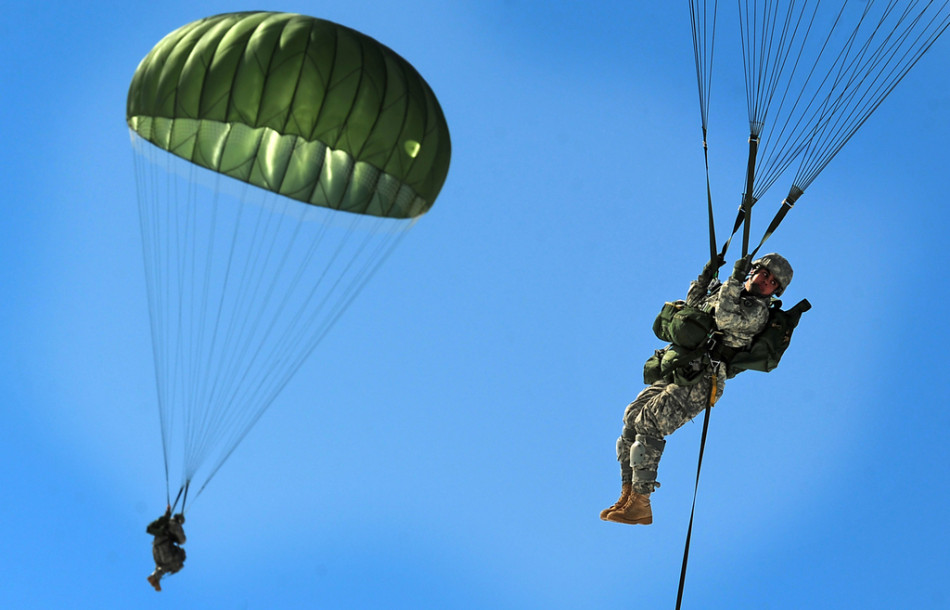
(646,451)
(630,414)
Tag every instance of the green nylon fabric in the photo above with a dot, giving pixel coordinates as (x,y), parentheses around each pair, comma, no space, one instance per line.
(296,105)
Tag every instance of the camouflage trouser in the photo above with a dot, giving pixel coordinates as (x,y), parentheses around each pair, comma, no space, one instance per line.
(169,558)
(657,412)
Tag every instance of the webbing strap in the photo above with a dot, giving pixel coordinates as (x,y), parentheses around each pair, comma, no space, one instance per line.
(712,398)
(709,204)
(689,530)
(793,194)
(747,199)
(745,207)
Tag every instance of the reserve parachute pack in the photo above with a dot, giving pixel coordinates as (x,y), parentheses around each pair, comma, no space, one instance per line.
(683,325)
(688,330)
(692,332)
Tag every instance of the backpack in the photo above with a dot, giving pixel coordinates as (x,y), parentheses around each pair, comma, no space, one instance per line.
(670,363)
(683,325)
(767,347)
(688,330)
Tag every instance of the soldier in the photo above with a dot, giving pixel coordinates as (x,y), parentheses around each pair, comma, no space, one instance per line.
(169,557)
(740,308)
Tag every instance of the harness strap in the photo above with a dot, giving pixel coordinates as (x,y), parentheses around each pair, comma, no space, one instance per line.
(748,199)
(692,511)
(709,203)
(793,194)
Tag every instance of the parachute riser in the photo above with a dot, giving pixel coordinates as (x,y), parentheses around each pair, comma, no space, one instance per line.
(747,198)
(787,204)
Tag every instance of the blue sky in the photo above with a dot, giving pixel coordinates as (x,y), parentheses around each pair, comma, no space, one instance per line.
(451,442)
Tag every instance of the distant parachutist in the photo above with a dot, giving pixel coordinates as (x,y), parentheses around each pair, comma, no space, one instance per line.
(169,556)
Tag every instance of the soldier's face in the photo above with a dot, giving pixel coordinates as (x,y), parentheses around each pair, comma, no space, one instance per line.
(761,283)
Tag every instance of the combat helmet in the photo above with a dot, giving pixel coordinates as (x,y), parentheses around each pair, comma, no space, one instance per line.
(778,267)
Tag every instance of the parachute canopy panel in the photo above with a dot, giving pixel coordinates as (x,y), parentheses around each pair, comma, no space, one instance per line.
(296,105)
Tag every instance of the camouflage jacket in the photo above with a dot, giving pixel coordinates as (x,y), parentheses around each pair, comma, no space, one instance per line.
(739,315)
(168,534)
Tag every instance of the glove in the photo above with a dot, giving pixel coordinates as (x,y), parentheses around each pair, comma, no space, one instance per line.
(712,267)
(741,268)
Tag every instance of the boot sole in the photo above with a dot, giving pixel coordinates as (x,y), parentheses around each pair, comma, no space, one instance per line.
(619,519)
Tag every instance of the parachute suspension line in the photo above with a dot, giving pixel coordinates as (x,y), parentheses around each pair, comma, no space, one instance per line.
(874,57)
(704,75)
(148,221)
(704,31)
(203,358)
(242,343)
(214,365)
(240,292)
(296,346)
(243,359)
(764,61)
(759,68)
(770,167)
(163,237)
(237,367)
(703,23)
(869,77)
(823,96)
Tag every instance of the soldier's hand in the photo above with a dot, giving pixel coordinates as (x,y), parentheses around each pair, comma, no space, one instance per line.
(741,268)
(712,267)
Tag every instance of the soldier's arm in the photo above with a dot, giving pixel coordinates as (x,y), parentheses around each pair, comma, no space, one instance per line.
(729,305)
(699,288)
(176,531)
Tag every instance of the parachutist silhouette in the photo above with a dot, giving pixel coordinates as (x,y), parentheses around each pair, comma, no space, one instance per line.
(169,557)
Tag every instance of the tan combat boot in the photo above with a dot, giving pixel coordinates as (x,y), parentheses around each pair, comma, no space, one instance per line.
(153,580)
(625,490)
(635,511)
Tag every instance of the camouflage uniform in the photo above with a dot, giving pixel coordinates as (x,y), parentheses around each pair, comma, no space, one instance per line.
(168,532)
(663,407)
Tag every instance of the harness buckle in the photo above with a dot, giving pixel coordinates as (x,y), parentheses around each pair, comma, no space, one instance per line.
(711,345)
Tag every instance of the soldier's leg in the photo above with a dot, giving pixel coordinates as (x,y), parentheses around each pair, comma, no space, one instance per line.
(657,419)
(626,440)
(644,461)
(629,433)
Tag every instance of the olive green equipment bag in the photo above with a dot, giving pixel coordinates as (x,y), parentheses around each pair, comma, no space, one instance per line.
(672,363)
(688,330)
(683,325)
(768,346)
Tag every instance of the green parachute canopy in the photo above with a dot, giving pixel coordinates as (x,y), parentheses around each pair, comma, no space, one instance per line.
(300,106)
(348,146)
